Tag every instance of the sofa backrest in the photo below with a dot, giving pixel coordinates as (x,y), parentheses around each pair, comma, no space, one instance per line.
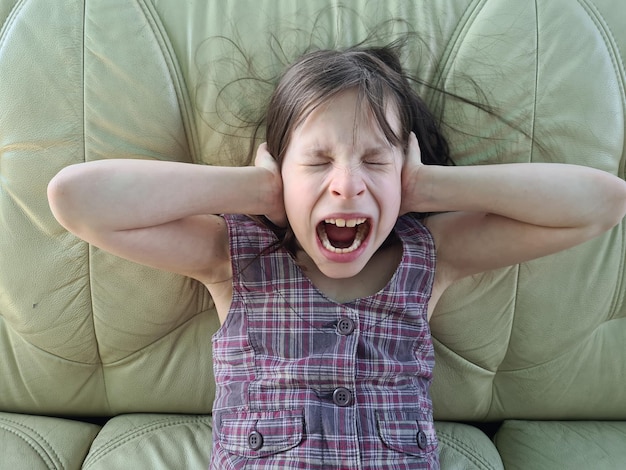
(85,333)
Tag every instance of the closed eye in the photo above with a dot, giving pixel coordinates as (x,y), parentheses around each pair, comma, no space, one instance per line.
(379,162)
(317,158)
(315,163)
(377,157)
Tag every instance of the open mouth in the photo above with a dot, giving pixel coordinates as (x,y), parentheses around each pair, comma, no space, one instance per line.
(343,235)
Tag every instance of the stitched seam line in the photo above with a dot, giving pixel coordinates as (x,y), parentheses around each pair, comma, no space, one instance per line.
(47,453)
(535,90)
(139,432)
(175,74)
(609,41)
(465,450)
(89,248)
(11,18)
(449,54)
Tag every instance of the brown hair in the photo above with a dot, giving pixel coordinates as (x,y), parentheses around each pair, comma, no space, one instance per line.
(377,74)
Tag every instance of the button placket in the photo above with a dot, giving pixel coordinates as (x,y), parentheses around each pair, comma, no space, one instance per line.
(345,326)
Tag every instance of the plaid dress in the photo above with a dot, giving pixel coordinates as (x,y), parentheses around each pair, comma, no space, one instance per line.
(306,383)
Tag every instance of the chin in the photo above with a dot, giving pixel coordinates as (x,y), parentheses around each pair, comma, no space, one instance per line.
(341,270)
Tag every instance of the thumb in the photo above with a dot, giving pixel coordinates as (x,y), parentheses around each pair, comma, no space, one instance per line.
(275,212)
(264,159)
(413,152)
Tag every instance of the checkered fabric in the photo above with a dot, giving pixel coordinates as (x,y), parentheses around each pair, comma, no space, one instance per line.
(306,383)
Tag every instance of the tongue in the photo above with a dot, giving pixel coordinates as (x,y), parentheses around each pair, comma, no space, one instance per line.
(340,237)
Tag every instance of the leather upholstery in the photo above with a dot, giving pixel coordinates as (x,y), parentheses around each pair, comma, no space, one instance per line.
(86,334)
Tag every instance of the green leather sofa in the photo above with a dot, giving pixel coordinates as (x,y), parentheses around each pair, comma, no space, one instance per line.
(107,365)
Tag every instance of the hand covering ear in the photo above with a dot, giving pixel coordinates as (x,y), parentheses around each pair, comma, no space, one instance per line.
(276,212)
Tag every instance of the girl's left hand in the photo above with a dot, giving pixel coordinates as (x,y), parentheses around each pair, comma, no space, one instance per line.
(412,165)
(276,211)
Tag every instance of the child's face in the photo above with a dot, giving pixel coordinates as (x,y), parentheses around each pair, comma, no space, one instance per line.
(339,169)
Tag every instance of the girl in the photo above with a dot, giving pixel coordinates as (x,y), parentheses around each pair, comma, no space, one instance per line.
(324,357)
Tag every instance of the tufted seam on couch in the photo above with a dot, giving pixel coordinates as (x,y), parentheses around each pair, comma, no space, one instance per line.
(465,450)
(13,15)
(456,38)
(38,443)
(88,248)
(176,75)
(609,41)
(533,116)
(138,432)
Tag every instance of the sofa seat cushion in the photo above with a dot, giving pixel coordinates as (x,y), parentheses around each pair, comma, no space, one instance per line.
(465,447)
(530,445)
(152,441)
(37,442)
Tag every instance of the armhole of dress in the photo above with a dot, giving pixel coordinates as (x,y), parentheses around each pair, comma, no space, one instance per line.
(432,255)
(232,226)
(418,227)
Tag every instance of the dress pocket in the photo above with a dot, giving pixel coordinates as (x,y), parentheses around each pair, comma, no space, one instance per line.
(409,432)
(260,434)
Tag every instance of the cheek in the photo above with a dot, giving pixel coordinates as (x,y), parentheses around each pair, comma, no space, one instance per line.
(390,197)
(292,187)
(393,206)
(294,198)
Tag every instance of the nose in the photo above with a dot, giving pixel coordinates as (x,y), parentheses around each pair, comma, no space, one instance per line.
(347,182)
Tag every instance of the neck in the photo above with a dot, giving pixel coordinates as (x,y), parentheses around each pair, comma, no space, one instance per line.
(370,280)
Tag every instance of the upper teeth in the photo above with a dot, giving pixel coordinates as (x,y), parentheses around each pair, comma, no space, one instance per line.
(346,222)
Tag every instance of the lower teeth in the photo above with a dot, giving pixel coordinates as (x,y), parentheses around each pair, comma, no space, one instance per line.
(358,240)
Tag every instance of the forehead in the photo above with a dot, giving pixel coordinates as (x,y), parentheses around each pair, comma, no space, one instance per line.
(348,117)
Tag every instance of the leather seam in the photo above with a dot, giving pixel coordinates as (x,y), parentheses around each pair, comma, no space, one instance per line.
(129,436)
(175,74)
(11,18)
(48,454)
(464,449)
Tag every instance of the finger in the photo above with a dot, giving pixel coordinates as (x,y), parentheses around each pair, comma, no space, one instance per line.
(264,159)
(414,154)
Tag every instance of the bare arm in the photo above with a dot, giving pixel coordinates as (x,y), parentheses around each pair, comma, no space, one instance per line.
(506,214)
(160,214)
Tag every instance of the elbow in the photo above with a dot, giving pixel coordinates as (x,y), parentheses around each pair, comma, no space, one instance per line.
(59,193)
(601,203)
(613,209)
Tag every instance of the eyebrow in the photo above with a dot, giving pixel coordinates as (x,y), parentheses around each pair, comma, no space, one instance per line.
(319,151)
(368,152)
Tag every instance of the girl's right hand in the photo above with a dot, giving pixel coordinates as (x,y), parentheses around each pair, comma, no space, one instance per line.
(276,212)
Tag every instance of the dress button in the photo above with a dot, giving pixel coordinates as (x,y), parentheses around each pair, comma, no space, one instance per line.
(345,326)
(342,397)
(255,440)
(422,441)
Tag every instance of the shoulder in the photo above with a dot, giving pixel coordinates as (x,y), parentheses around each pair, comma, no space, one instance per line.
(250,241)
(419,253)
(244,230)
(413,231)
